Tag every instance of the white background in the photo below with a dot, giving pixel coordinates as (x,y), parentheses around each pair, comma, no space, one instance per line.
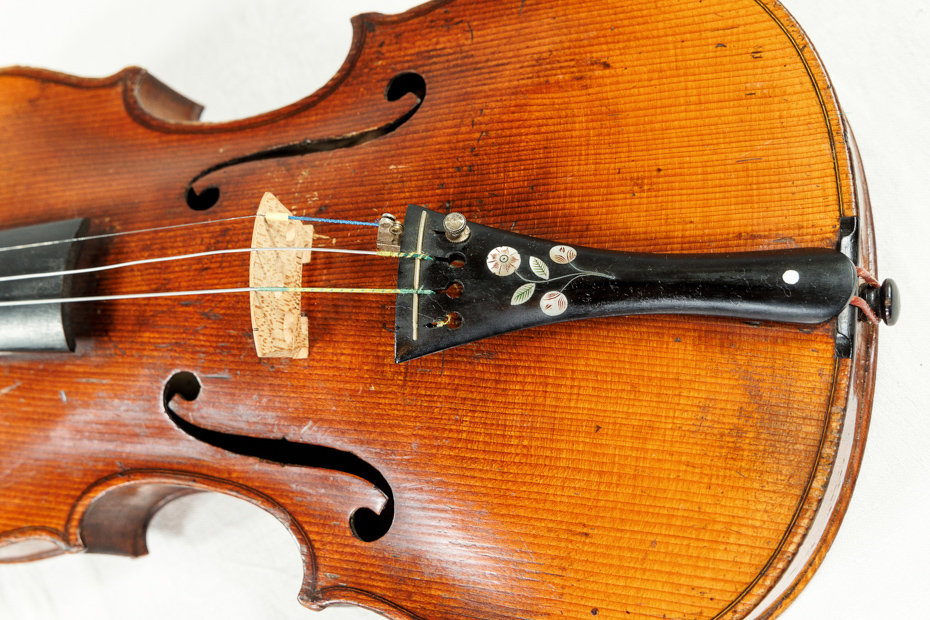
(213,557)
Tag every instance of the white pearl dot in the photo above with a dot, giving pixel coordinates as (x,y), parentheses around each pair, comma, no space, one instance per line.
(791,276)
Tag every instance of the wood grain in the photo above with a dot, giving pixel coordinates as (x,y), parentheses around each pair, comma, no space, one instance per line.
(278,328)
(629,468)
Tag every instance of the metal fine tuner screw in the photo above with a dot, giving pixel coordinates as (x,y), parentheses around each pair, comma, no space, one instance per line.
(456,227)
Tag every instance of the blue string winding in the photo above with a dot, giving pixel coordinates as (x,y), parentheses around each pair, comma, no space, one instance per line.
(327,221)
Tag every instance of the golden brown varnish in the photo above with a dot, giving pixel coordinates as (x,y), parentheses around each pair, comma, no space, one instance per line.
(634,466)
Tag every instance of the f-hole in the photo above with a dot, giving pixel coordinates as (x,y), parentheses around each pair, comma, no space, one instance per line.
(401,84)
(365,524)
(204,200)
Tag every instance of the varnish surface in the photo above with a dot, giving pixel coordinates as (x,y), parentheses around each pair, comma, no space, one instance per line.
(643,467)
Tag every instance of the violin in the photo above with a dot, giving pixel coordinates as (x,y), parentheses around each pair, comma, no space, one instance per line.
(524,473)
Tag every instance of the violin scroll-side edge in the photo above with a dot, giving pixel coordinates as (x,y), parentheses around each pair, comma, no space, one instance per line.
(144,95)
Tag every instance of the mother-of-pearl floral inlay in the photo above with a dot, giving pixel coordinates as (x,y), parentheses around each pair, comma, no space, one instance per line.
(553,303)
(562,254)
(505,261)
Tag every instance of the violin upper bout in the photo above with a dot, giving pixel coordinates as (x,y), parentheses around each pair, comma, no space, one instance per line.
(161,101)
(144,94)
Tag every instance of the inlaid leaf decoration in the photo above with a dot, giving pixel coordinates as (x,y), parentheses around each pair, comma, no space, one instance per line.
(539,268)
(522,294)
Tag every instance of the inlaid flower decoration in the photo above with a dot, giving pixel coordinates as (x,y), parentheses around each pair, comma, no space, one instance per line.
(562,254)
(553,303)
(505,261)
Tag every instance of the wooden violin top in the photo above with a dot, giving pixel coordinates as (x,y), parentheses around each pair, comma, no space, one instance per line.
(569,469)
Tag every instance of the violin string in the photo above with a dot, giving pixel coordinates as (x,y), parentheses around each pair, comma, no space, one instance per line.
(164,259)
(217,291)
(324,220)
(256,289)
(40,244)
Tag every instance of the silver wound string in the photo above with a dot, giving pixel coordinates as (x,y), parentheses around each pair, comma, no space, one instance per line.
(165,259)
(216,291)
(40,244)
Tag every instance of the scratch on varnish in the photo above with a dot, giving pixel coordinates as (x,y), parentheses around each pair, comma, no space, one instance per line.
(9,388)
(740,158)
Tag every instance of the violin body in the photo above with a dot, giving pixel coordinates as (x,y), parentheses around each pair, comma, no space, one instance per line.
(633,467)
